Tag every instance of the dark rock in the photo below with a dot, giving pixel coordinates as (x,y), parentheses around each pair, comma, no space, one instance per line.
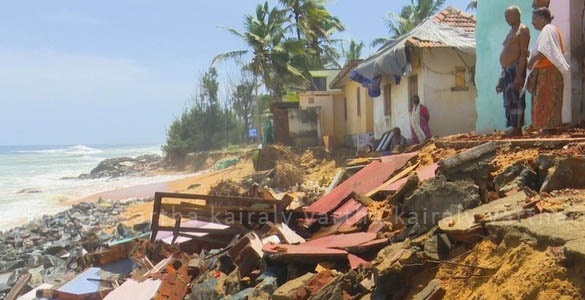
(85,206)
(29,191)
(141,227)
(54,248)
(232,283)
(123,166)
(516,176)
(50,261)
(34,261)
(566,173)
(124,231)
(209,288)
(13,265)
(438,246)
(391,276)
(438,198)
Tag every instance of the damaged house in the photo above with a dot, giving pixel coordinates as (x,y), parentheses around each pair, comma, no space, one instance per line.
(436,61)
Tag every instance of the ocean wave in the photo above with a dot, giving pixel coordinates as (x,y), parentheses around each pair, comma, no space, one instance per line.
(73,150)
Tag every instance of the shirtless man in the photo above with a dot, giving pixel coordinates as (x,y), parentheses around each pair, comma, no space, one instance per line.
(513,60)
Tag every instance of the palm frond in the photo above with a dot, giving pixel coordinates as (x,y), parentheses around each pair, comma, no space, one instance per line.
(229,55)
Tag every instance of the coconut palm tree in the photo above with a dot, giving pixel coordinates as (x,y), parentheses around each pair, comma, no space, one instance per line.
(410,16)
(472,5)
(313,24)
(272,54)
(354,51)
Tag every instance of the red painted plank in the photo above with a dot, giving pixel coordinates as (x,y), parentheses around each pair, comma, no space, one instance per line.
(353,220)
(356,262)
(423,174)
(303,250)
(341,240)
(367,179)
(347,208)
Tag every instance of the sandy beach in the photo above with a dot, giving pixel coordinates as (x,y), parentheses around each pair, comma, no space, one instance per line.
(197,184)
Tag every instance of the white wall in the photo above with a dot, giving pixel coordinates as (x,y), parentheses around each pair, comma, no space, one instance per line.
(400,114)
(451,112)
(382,123)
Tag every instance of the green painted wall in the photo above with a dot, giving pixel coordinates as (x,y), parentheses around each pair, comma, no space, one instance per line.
(490,33)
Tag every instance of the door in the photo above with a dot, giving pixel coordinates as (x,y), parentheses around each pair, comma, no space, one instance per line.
(412,90)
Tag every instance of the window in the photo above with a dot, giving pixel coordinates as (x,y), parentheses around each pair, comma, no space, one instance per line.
(460,80)
(311,100)
(388,100)
(320,83)
(359,102)
(345,107)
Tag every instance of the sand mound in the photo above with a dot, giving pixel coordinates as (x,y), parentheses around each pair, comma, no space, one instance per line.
(268,156)
(522,273)
(226,188)
(287,175)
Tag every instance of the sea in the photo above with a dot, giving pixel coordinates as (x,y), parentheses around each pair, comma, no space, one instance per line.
(42,168)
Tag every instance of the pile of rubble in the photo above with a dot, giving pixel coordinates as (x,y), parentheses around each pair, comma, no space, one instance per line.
(450,219)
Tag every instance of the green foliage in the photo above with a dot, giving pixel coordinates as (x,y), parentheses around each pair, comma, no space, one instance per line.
(354,51)
(286,42)
(410,16)
(205,125)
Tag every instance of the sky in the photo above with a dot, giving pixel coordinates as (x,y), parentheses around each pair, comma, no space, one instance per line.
(120,71)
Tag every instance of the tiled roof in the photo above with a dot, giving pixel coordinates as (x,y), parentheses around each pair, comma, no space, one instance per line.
(450,16)
(413,41)
(456,18)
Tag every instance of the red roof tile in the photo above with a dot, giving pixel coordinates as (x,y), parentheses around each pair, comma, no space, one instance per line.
(456,18)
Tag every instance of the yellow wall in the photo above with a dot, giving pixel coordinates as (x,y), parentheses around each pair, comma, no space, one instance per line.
(365,121)
(339,118)
(325,101)
(332,112)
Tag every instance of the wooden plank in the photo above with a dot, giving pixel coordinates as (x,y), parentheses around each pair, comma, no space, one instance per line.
(189,207)
(304,251)
(395,178)
(249,200)
(228,231)
(336,180)
(341,241)
(362,182)
(18,287)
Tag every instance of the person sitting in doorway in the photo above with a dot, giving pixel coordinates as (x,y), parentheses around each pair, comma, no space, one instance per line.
(392,142)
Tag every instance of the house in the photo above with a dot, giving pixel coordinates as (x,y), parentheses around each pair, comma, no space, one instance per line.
(343,105)
(300,121)
(491,31)
(354,109)
(436,61)
(324,99)
(295,126)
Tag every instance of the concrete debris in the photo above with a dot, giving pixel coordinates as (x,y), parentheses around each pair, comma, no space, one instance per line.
(433,291)
(478,220)
(515,178)
(564,173)
(287,290)
(438,198)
